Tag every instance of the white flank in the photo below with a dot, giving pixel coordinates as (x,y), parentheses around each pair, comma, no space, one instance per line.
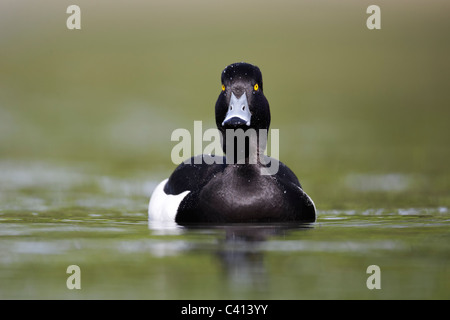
(162,206)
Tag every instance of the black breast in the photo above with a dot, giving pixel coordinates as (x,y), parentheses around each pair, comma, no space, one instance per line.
(242,194)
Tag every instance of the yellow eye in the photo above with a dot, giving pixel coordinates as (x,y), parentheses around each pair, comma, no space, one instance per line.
(256,87)
(223,87)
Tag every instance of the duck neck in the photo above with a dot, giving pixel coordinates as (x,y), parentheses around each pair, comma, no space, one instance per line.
(244,147)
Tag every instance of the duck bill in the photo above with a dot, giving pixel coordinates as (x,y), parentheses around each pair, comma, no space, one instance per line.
(238,112)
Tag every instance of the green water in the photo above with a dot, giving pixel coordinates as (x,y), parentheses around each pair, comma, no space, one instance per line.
(86,118)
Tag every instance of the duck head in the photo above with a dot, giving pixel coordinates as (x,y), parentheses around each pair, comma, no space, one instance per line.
(242,104)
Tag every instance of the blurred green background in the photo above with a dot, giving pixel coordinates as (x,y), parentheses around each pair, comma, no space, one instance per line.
(353,105)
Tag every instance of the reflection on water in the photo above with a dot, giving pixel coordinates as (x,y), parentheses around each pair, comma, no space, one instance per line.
(241,253)
(121,256)
(240,248)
